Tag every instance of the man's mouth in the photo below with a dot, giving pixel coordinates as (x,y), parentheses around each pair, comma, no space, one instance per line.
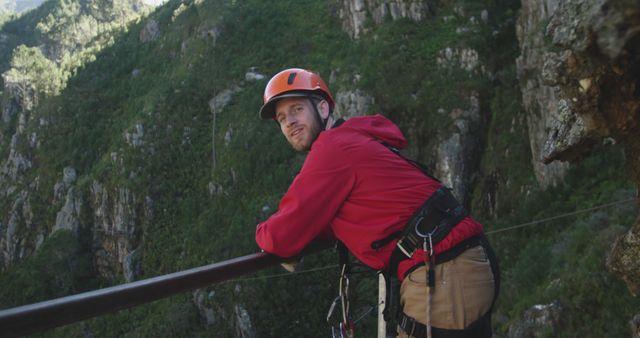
(296,132)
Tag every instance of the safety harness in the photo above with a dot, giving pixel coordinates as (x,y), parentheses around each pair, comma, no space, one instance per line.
(479,328)
(431,223)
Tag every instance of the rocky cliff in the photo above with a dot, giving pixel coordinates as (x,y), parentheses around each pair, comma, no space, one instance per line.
(69,35)
(579,75)
(356,15)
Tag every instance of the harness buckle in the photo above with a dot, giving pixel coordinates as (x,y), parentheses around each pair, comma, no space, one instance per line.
(404,250)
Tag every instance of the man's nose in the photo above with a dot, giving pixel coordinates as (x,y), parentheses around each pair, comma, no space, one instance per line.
(290,120)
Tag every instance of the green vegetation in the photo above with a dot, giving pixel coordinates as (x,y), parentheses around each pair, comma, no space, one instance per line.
(564,260)
(21,30)
(31,68)
(212,179)
(60,267)
(6,16)
(69,32)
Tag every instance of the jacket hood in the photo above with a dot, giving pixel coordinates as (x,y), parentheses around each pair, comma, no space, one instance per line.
(379,128)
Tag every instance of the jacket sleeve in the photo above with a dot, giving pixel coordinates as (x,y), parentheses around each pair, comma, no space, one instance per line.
(310,204)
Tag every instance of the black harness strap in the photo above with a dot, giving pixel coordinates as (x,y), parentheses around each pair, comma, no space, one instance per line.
(433,220)
(436,217)
(431,223)
(451,253)
(480,328)
(418,165)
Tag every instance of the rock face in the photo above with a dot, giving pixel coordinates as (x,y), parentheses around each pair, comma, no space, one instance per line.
(595,72)
(253,75)
(635,326)
(14,245)
(117,219)
(542,101)
(212,312)
(69,216)
(539,321)
(457,154)
(351,103)
(354,13)
(16,112)
(150,32)
(117,230)
(579,72)
(205,302)
(18,238)
(244,327)
(218,102)
(624,259)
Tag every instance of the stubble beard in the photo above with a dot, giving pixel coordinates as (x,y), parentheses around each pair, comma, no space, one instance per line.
(314,131)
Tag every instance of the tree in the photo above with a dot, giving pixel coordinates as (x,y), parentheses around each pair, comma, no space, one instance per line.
(29,65)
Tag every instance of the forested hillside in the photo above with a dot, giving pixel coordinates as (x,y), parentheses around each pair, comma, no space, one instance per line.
(130,147)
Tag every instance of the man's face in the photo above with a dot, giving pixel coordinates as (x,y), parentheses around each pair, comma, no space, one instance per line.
(298,122)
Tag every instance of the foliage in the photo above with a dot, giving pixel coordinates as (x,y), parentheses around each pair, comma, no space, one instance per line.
(60,267)
(30,67)
(564,260)
(6,16)
(18,30)
(69,33)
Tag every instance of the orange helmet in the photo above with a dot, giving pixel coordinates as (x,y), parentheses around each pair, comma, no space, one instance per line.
(291,83)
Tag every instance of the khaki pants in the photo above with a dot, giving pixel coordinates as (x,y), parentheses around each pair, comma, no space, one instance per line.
(463,292)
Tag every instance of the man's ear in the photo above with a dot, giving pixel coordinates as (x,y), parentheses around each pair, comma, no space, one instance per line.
(323,109)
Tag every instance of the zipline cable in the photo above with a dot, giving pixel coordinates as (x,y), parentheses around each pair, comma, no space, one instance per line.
(560,216)
(285,274)
(288,274)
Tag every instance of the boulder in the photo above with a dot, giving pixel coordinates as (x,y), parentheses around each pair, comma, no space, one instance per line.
(537,322)
(150,32)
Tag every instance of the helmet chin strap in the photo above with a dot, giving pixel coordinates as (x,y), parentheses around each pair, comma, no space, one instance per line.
(323,122)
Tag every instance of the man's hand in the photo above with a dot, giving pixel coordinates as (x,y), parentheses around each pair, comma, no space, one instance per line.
(292,265)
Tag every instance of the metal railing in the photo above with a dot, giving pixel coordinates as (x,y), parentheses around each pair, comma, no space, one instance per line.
(27,319)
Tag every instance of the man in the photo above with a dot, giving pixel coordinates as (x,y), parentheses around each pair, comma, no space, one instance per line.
(354,187)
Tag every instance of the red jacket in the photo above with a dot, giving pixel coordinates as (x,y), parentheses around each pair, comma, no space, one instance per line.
(353,188)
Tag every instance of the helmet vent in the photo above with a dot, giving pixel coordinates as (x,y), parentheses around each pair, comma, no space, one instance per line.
(292,77)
